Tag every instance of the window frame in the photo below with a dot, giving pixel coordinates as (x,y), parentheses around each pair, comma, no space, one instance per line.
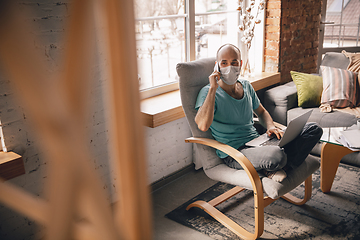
(190,43)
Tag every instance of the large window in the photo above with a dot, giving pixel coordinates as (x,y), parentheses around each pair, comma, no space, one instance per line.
(215,24)
(160,40)
(173,31)
(342,23)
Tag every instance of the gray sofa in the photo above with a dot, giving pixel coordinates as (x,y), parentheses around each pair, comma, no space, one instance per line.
(281,102)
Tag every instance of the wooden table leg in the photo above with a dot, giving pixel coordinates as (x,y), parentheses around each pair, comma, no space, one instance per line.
(331,155)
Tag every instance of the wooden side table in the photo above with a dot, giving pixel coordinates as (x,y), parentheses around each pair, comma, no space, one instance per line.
(11,165)
(331,154)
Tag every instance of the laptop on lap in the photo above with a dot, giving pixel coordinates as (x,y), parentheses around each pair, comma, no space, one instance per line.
(293,130)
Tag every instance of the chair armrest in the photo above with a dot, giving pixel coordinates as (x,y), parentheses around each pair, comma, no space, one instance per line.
(278,125)
(278,100)
(238,156)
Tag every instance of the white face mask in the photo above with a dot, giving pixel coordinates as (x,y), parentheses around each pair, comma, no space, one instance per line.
(230,74)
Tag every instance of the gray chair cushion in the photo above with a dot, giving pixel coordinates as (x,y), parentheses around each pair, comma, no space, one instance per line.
(295,178)
(192,77)
(271,188)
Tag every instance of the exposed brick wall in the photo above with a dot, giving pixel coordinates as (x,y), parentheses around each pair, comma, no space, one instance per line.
(272,35)
(299,36)
(295,46)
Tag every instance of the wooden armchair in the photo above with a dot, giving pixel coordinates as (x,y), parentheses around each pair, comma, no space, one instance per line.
(193,76)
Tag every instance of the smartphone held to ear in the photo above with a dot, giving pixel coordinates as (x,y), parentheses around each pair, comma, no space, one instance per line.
(216,67)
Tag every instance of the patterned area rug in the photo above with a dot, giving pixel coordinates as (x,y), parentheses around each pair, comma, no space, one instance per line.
(335,215)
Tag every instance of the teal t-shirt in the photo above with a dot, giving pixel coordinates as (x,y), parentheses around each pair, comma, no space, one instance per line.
(233,119)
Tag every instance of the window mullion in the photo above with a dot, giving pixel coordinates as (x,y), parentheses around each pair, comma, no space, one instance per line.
(190,30)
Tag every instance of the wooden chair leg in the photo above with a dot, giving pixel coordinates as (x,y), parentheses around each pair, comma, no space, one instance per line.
(297,201)
(209,208)
(259,204)
(225,196)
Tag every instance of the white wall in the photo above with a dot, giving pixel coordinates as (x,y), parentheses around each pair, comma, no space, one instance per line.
(167,151)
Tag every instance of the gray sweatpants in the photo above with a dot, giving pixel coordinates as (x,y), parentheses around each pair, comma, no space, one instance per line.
(273,158)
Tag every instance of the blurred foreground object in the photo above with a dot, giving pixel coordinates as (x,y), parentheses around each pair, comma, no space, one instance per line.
(76,206)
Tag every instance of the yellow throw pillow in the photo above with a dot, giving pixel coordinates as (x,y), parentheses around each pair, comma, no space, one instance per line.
(309,88)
